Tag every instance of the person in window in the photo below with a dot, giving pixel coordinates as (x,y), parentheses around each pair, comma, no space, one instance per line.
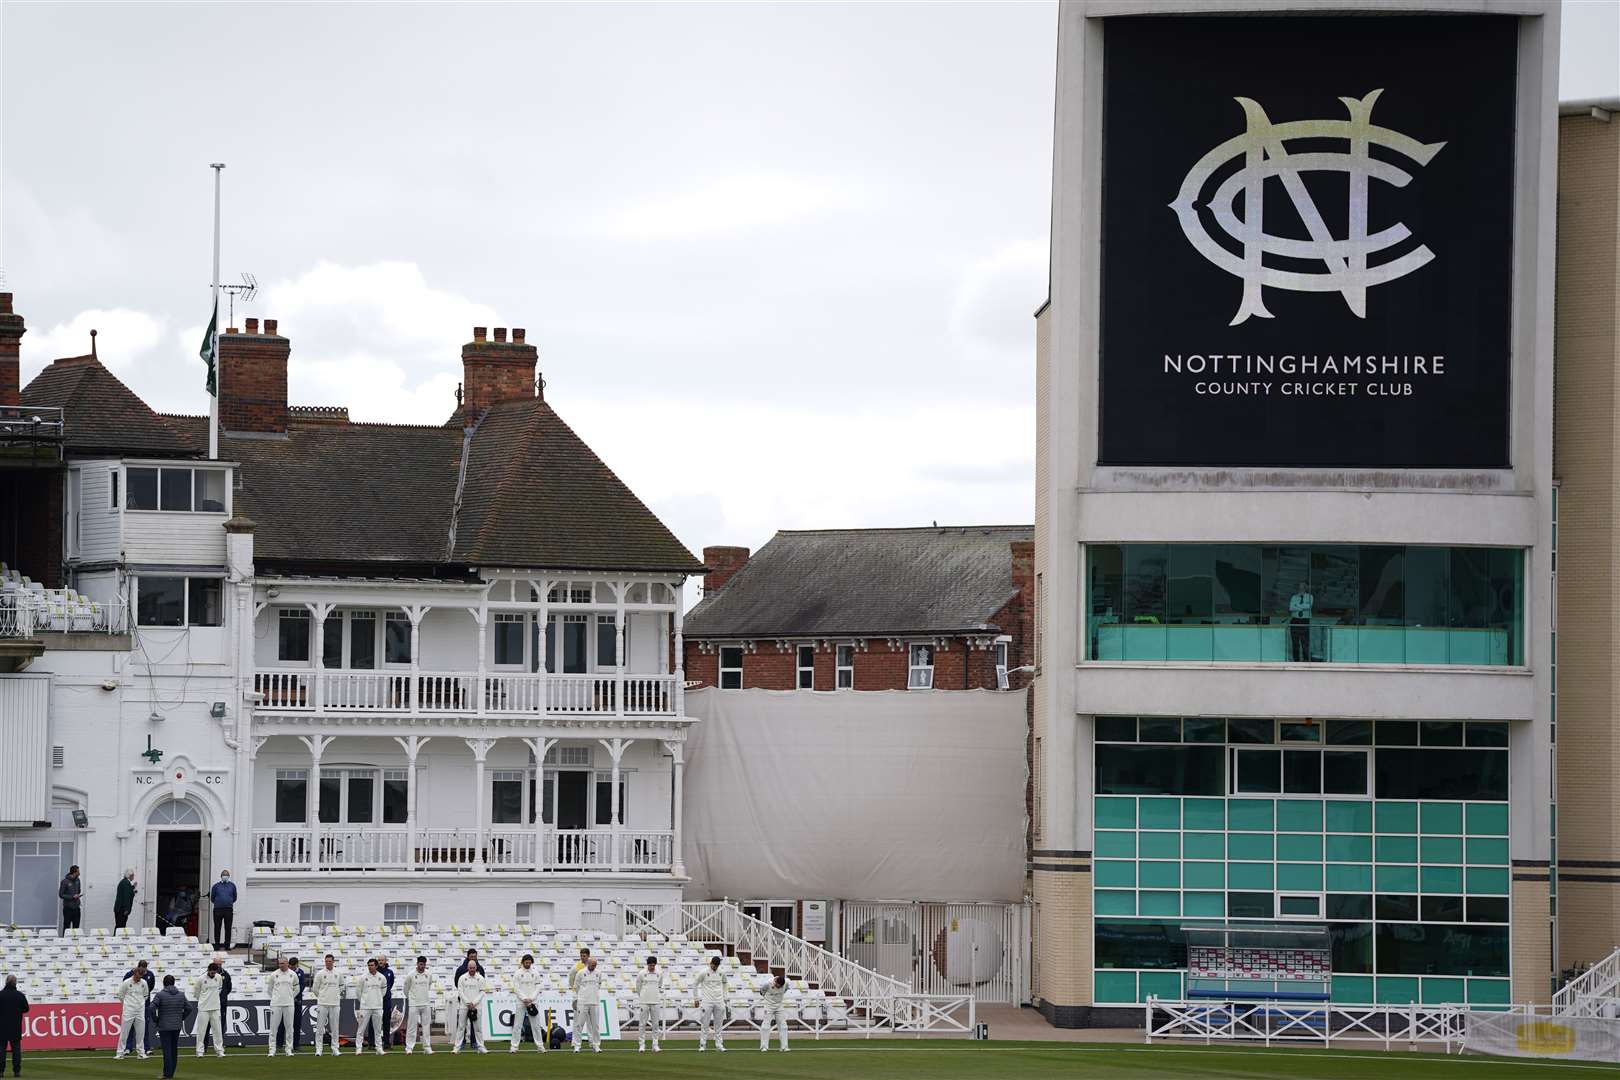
(1299,624)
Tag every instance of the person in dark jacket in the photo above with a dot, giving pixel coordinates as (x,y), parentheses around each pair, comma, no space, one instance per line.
(13,1003)
(124,900)
(298,1000)
(71,892)
(388,999)
(170,1009)
(223,898)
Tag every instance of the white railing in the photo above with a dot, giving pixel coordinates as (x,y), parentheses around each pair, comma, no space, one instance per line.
(498,849)
(877,1003)
(1269,1022)
(26,612)
(1593,992)
(464,693)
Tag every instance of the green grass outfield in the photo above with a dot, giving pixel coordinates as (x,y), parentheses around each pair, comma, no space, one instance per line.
(838,1059)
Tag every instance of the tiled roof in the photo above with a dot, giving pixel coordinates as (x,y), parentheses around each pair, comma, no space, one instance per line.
(865,582)
(536,495)
(102,415)
(333,492)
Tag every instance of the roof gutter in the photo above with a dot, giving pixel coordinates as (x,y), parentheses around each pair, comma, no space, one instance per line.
(1596,108)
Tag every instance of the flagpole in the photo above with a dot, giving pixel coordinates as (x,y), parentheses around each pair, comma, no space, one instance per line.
(213,399)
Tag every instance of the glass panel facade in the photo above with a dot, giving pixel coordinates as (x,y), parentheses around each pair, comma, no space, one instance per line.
(1305,603)
(1391,834)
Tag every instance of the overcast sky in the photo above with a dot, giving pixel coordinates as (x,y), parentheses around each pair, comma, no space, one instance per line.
(780,261)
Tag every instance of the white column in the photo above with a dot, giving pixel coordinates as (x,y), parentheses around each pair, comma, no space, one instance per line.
(618,649)
(615,748)
(480,616)
(680,659)
(318,613)
(412,745)
(677,753)
(415,612)
(543,587)
(540,747)
(316,745)
(480,749)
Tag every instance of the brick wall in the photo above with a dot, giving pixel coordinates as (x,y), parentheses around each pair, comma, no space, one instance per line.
(1587,347)
(11,332)
(880,666)
(498,370)
(253,379)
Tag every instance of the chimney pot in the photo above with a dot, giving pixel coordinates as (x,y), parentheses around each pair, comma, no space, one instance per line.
(270,327)
(252,326)
(517,335)
(230,329)
(500,333)
(478,333)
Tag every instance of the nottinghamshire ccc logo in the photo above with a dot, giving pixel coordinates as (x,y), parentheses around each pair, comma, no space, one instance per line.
(1263,150)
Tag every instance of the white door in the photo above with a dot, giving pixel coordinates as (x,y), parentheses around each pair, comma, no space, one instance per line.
(205,871)
(146,881)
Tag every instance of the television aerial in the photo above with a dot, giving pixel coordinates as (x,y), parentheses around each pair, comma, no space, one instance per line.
(247,290)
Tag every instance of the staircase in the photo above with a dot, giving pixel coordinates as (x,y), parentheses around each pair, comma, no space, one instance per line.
(1594,992)
(878,1001)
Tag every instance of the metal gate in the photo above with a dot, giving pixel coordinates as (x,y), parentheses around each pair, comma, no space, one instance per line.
(943,948)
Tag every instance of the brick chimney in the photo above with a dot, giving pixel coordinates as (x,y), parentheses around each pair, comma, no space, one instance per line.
(253,379)
(1023,578)
(722,562)
(498,370)
(11,332)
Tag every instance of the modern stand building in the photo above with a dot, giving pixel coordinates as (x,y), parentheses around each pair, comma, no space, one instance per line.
(1294,522)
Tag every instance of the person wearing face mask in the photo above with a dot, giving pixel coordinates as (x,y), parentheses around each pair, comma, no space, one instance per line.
(223,897)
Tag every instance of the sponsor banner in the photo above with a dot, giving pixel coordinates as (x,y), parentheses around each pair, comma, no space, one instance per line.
(1585,1038)
(71,1025)
(1307,241)
(247,1023)
(556,1010)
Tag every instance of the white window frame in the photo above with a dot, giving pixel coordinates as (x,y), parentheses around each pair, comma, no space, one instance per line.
(844,674)
(919,676)
(309,634)
(191,489)
(521,619)
(1003,653)
(114,489)
(72,510)
(524,778)
(309,910)
(382,800)
(393,911)
(291,774)
(723,670)
(804,674)
(345,773)
(1321,905)
(185,606)
(382,651)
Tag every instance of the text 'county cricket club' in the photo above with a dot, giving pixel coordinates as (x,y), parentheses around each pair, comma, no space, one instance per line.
(1264,151)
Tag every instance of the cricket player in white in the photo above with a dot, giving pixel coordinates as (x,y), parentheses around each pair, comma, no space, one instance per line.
(711,988)
(418,991)
(471,991)
(132,993)
(649,1004)
(372,985)
(327,987)
(588,1006)
(771,993)
(283,990)
(525,983)
(205,992)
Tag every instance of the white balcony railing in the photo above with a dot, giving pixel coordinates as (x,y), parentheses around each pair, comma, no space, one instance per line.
(461,693)
(497,849)
(26,612)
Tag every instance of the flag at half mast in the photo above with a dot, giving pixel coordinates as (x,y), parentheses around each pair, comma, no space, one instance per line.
(210,350)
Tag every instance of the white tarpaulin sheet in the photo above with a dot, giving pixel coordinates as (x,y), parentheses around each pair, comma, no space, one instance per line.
(871,795)
(1587,1038)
